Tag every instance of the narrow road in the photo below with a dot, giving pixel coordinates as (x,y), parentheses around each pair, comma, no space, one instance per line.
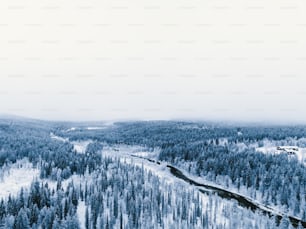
(242,200)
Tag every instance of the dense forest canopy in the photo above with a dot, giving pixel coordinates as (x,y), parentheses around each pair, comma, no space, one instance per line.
(221,153)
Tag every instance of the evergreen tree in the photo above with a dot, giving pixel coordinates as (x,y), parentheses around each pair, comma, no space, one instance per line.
(22,221)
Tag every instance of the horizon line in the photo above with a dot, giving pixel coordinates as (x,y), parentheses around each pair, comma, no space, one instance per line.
(224,121)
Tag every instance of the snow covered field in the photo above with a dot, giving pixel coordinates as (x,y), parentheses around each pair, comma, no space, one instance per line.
(96,128)
(80,146)
(19,175)
(292,151)
(53,136)
(99,127)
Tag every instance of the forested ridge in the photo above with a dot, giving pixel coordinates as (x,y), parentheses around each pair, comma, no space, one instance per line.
(122,196)
(114,194)
(223,153)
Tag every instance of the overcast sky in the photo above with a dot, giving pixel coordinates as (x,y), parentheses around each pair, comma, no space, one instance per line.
(164,59)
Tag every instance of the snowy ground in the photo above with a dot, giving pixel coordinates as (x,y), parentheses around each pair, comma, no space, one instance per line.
(96,128)
(126,154)
(81,214)
(80,146)
(244,192)
(71,129)
(77,180)
(291,151)
(100,127)
(130,154)
(128,150)
(53,136)
(19,175)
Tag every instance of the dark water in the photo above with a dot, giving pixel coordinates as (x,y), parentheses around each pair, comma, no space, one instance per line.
(242,201)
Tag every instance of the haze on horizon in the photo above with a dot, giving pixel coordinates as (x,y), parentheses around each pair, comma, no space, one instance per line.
(104,60)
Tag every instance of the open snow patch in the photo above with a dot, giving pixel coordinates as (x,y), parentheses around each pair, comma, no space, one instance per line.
(128,150)
(17,176)
(71,129)
(81,210)
(96,128)
(80,146)
(58,138)
(292,151)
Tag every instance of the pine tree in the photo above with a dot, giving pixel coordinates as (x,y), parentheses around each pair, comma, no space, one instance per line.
(34,214)
(284,223)
(22,221)
(87,220)
(2,210)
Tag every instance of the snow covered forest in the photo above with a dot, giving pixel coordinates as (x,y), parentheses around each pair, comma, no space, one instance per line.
(118,175)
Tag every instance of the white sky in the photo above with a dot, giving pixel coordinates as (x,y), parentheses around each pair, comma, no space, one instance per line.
(139,59)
